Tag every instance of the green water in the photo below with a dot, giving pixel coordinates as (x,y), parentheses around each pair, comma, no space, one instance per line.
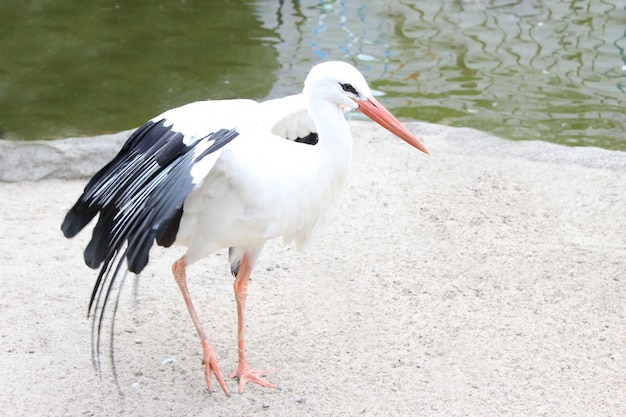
(554,71)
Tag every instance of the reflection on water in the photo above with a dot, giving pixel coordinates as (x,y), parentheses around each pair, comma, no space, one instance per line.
(521,69)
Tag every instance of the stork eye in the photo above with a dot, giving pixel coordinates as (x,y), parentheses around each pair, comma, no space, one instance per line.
(348,88)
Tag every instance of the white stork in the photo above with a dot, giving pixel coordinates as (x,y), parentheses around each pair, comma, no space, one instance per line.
(225,174)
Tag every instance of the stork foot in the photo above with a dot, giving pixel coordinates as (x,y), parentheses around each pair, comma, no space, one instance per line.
(210,365)
(245,375)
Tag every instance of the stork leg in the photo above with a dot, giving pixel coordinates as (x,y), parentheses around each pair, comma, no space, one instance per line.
(243,372)
(208,354)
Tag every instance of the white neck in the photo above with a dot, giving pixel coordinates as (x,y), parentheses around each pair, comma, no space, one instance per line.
(335,140)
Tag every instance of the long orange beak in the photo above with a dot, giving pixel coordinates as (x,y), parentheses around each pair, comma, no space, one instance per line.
(378,113)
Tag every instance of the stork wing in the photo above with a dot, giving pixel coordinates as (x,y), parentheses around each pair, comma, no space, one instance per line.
(139,194)
(293,121)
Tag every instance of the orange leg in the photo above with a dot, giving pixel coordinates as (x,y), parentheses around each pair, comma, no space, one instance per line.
(243,372)
(208,354)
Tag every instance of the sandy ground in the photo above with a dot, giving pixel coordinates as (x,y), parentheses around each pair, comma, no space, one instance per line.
(486,279)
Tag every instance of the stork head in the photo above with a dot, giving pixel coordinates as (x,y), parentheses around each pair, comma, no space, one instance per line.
(338,82)
(342,84)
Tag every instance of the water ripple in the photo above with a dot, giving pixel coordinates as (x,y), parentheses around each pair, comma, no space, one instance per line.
(520,69)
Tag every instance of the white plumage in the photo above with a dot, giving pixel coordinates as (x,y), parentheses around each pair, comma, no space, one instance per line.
(226,174)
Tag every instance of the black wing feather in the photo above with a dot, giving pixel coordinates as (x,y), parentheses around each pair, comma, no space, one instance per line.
(310,139)
(81,214)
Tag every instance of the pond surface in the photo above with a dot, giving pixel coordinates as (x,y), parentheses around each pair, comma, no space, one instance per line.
(554,71)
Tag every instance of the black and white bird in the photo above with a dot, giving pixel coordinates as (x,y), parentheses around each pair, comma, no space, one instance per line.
(225,174)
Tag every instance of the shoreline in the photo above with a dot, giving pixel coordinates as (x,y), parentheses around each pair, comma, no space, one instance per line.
(80,157)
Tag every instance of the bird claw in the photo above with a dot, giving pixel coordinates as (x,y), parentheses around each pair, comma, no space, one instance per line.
(246,375)
(210,365)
